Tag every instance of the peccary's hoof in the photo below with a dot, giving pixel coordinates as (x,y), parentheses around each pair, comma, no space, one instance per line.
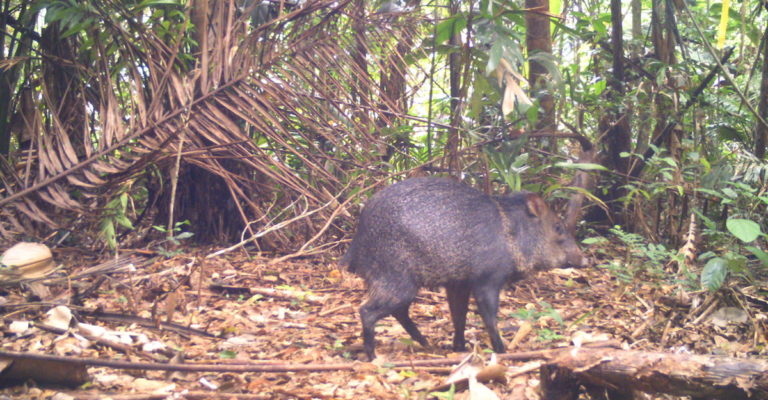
(459,349)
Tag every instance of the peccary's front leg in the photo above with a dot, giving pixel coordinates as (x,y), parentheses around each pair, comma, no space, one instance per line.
(458,303)
(487,297)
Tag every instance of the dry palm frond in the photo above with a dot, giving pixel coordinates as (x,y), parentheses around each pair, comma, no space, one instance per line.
(280,111)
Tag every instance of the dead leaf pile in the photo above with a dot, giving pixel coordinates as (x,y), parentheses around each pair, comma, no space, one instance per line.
(294,326)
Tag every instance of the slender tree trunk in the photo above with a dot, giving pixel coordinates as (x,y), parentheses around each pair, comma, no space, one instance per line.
(361,98)
(614,125)
(539,40)
(199,17)
(6,91)
(618,139)
(761,133)
(6,86)
(454,72)
(637,29)
(393,87)
(663,46)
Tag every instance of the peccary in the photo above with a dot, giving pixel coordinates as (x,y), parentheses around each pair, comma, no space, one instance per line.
(430,232)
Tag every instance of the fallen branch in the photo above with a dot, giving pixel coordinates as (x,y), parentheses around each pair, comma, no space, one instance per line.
(625,371)
(259,366)
(292,295)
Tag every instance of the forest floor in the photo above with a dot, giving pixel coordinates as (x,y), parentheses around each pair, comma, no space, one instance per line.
(235,311)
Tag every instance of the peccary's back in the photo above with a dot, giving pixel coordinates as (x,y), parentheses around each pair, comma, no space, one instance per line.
(433,231)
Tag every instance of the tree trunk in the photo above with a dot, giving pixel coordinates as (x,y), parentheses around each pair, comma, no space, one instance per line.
(614,125)
(637,28)
(618,139)
(761,133)
(539,40)
(454,73)
(203,199)
(360,97)
(394,98)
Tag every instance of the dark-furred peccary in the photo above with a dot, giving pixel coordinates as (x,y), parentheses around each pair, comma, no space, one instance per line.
(429,232)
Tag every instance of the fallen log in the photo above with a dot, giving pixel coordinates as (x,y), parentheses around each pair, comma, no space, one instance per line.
(623,372)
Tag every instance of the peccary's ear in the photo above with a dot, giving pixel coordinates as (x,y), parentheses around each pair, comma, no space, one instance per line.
(535,205)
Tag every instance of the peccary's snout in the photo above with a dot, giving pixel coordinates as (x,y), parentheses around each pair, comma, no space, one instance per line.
(576,258)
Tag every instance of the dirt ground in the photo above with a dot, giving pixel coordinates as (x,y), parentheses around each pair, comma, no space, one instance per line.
(237,310)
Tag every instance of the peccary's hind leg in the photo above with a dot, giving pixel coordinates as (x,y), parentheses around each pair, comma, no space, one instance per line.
(383,301)
(401,314)
(458,302)
(487,297)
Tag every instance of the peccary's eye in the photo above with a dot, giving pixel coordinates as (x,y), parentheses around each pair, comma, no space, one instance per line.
(560,229)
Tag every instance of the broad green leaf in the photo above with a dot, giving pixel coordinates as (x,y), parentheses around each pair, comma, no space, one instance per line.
(107,231)
(714,273)
(599,86)
(494,56)
(555,7)
(709,192)
(730,193)
(761,255)
(184,235)
(227,354)
(594,240)
(729,133)
(448,27)
(744,229)
(589,195)
(123,221)
(155,3)
(582,166)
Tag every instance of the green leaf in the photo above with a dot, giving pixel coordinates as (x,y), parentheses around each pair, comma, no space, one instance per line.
(494,56)
(184,235)
(582,166)
(709,192)
(599,86)
(123,221)
(594,240)
(744,229)
(448,27)
(730,193)
(555,7)
(729,133)
(227,354)
(714,273)
(107,231)
(761,255)
(155,3)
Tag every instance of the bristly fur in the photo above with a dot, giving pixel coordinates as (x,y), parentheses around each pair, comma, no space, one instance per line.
(428,232)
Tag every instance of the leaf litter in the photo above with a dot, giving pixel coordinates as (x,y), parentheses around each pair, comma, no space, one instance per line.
(235,310)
